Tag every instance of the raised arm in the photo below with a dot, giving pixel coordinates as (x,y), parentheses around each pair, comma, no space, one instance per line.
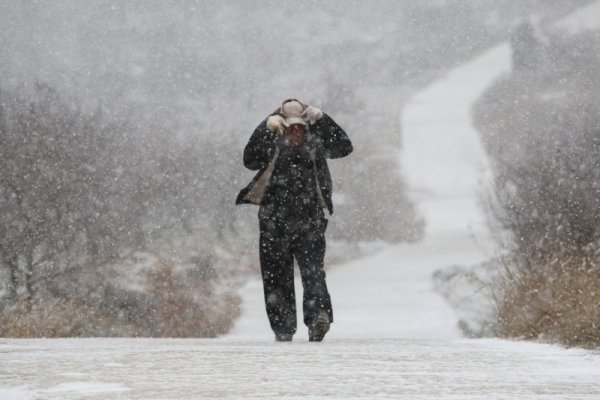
(334,139)
(260,147)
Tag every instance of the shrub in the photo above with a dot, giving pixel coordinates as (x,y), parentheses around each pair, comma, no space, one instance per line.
(155,299)
(541,129)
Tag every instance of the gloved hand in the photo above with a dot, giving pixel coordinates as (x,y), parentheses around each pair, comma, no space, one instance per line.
(277,124)
(312,114)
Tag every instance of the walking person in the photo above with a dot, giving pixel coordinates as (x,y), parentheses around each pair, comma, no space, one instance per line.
(293,186)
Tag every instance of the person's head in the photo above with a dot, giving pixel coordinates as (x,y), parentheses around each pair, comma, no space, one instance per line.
(294,134)
(292,108)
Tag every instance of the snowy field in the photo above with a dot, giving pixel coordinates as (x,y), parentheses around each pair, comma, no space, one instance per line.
(393,336)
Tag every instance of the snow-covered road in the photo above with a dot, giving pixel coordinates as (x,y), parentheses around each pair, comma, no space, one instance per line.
(394,337)
(257,369)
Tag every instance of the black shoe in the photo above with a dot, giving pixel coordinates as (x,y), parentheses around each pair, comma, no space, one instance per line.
(318,329)
(284,337)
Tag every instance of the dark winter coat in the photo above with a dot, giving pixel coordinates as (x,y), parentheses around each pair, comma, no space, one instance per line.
(324,140)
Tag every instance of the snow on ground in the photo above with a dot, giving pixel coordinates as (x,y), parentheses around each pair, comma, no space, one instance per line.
(393,337)
(343,369)
(584,19)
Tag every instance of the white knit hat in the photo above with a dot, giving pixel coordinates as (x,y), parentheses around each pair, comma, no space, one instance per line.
(292,108)
(295,120)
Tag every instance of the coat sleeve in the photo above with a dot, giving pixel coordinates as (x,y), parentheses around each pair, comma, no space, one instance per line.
(260,147)
(335,141)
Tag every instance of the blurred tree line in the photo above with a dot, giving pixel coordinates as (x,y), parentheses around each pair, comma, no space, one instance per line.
(81,190)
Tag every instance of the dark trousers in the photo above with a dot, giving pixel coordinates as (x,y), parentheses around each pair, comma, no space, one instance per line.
(283,237)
